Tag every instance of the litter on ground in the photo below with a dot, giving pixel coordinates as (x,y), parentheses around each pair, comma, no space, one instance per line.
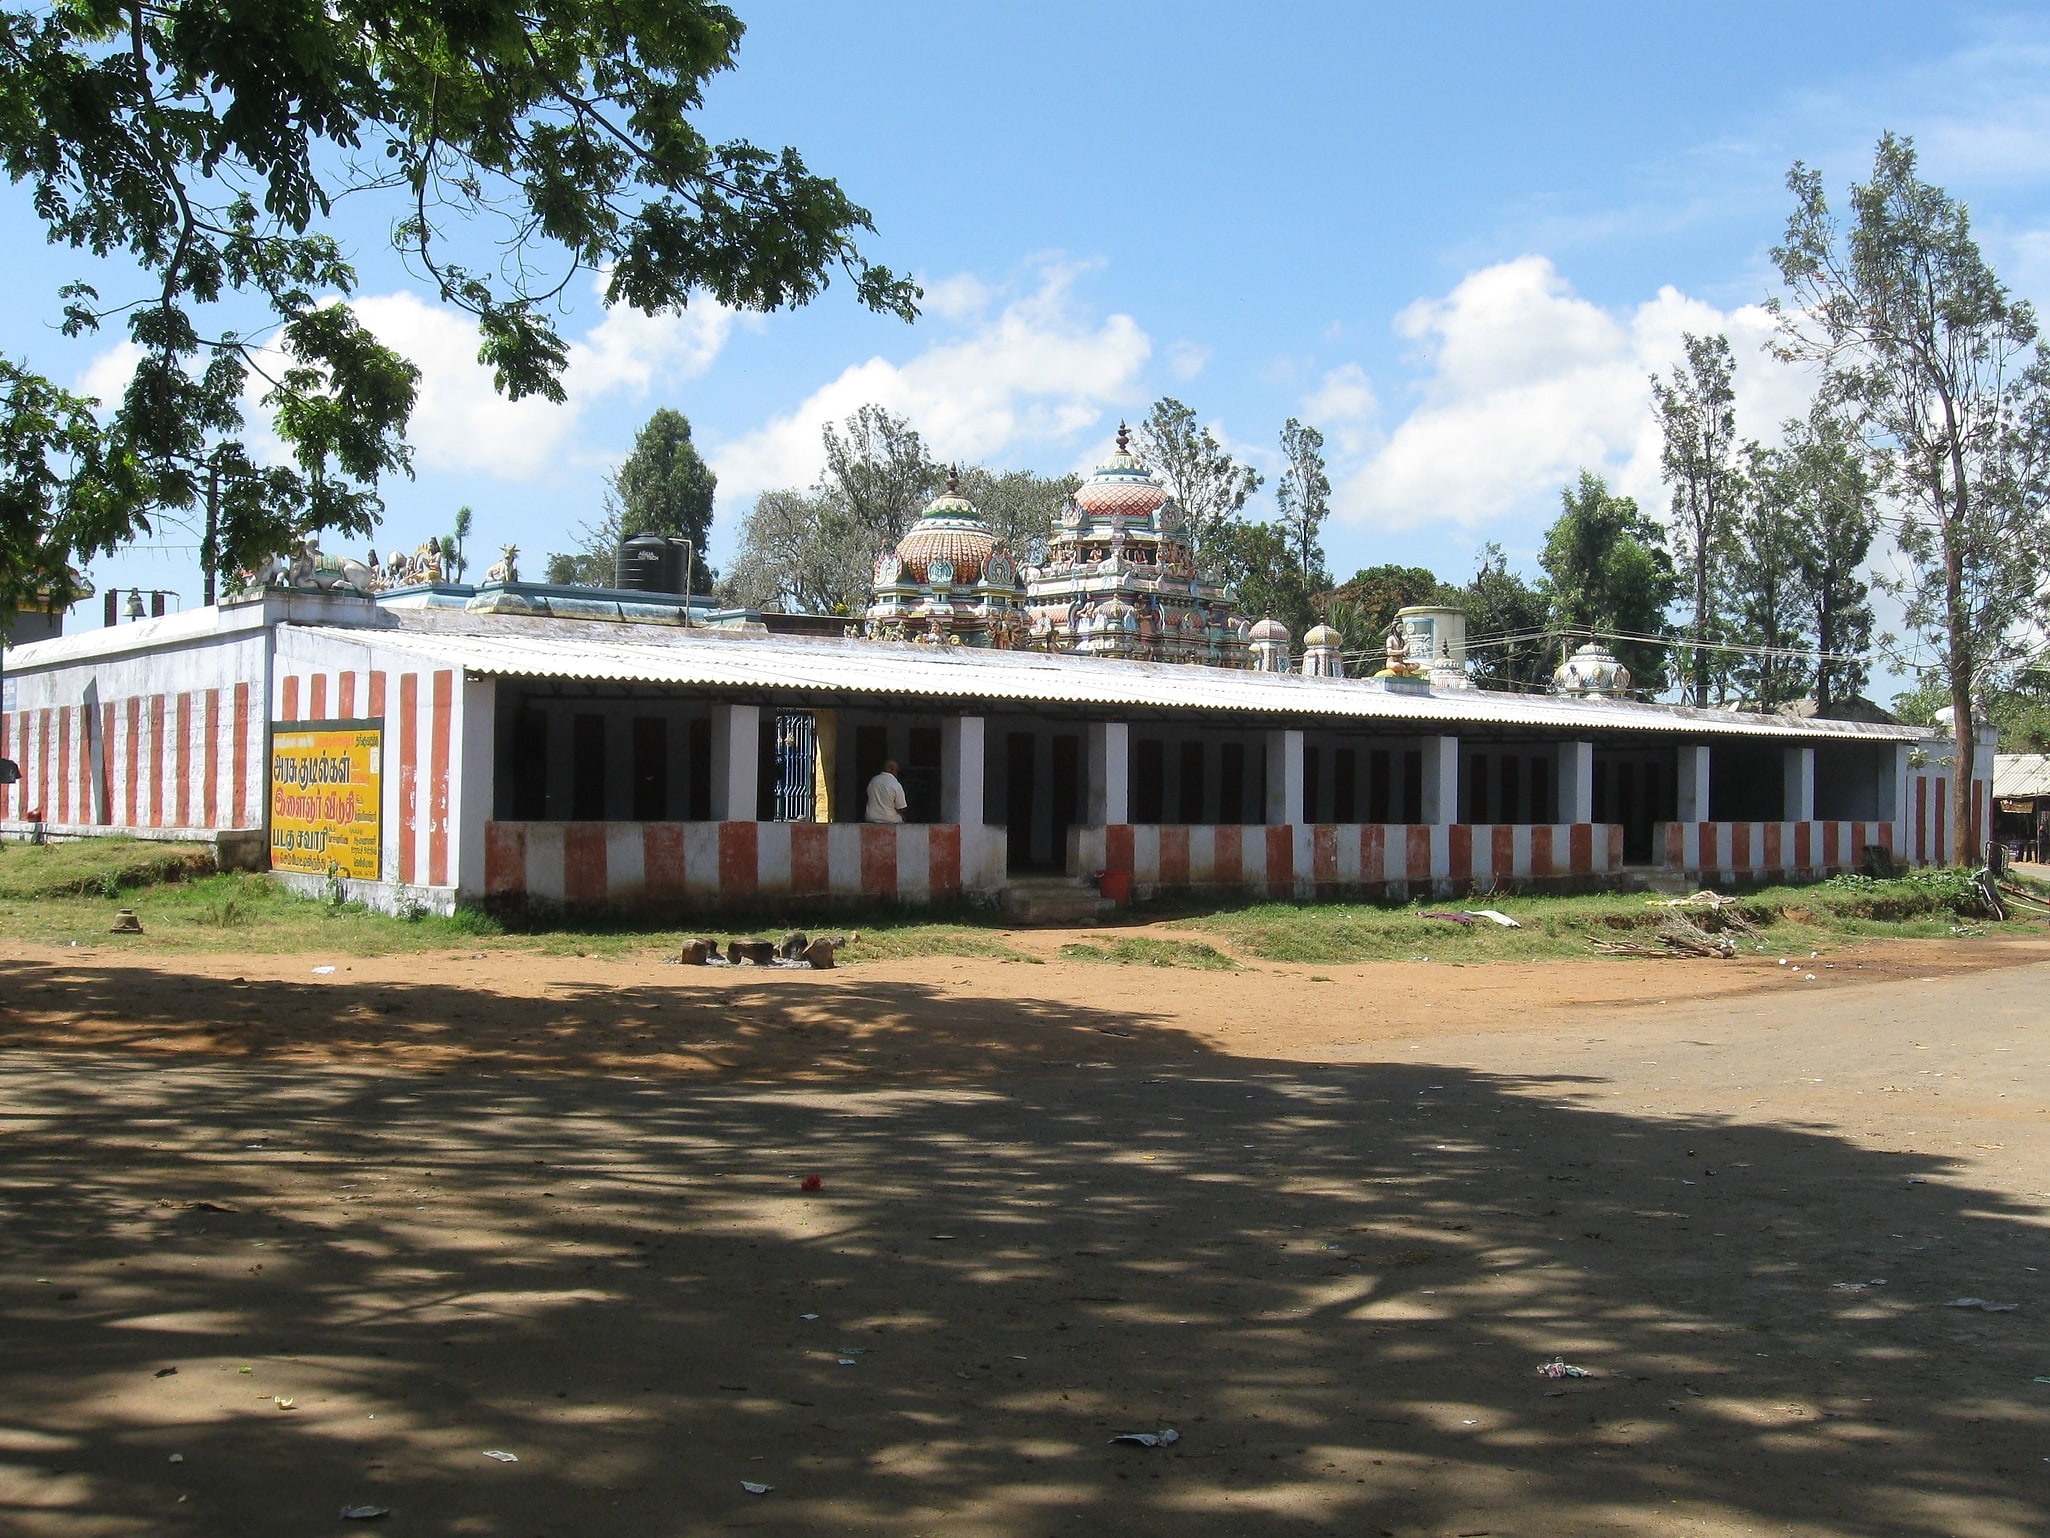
(494,1453)
(1559,1367)
(1493,916)
(1163,1438)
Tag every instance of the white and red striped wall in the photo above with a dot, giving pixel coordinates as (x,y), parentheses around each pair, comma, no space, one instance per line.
(189,761)
(705,864)
(1745,851)
(163,735)
(1306,860)
(437,760)
(1926,830)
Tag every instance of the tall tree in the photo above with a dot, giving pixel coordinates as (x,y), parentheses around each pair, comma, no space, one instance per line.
(455,559)
(1362,608)
(1258,561)
(815,550)
(1912,326)
(878,471)
(1829,489)
(204,144)
(1506,623)
(801,554)
(1607,573)
(1304,497)
(1207,484)
(1697,411)
(663,486)
(1768,593)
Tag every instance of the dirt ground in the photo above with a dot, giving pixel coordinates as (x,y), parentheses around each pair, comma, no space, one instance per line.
(280,1241)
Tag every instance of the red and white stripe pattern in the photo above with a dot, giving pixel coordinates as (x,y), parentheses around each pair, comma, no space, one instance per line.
(1280,860)
(599,864)
(418,714)
(184,761)
(1743,850)
(1928,834)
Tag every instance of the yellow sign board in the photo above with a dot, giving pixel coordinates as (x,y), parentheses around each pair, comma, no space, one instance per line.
(326,797)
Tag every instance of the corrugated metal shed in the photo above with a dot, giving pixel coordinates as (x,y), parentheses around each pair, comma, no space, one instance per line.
(799,667)
(2021,774)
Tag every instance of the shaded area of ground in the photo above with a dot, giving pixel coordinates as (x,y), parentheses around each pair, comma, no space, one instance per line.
(1336,1280)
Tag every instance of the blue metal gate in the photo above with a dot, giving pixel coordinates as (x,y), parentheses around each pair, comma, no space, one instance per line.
(796,736)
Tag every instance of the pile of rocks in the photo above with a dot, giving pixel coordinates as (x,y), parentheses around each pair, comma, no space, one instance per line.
(793,950)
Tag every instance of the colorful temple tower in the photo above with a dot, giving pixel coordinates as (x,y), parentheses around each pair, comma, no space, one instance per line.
(1120,578)
(949,582)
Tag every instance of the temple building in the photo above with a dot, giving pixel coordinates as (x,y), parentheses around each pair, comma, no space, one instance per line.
(949,582)
(1120,578)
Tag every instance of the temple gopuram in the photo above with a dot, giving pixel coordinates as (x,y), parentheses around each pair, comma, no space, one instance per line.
(1120,579)
(949,582)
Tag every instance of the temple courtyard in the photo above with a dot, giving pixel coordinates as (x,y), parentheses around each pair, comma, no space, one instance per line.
(518,1245)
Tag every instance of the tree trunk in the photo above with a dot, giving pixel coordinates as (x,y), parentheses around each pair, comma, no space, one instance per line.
(1960,670)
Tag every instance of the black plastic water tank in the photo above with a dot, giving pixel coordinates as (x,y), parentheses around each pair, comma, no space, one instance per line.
(649,563)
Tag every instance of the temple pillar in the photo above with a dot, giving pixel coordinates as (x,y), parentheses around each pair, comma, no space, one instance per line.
(1692,782)
(1797,785)
(961,760)
(1109,752)
(1441,779)
(736,766)
(1576,782)
(1285,778)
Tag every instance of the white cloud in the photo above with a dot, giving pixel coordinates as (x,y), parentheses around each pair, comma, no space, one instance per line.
(1037,371)
(1185,360)
(107,376)
(959,298)
(1525,382)
(1344,407)
(460,420)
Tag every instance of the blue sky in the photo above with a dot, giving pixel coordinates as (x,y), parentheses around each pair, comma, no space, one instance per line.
(1455,237)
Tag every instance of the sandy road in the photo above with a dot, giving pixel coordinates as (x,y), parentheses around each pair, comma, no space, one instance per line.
(1327,1231)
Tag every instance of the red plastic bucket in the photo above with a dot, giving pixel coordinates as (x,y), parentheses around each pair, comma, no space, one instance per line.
(1115,884)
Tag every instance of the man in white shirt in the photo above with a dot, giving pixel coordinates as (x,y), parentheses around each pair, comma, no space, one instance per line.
(886,795)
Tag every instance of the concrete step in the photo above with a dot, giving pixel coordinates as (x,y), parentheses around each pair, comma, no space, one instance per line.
(1054,901)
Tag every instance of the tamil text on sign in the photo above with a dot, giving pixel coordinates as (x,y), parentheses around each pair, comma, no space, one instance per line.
(325,797)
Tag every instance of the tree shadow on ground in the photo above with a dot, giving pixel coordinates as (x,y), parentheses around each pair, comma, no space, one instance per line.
(723,1023)
(1336,1282)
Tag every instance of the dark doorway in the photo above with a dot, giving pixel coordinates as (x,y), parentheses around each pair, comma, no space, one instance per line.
(1345,775)
(1149,780)
(651,769)
(1231,783)
(871,750)
(1190,794)
(1477,789)
(1067,793)
(1020,760)
(1313,783)
(922,776)
(587,769)
(698,760)
(530,766)
(1413,786)
(1380,783)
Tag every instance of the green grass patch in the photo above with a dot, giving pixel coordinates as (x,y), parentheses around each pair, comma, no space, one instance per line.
(1141,951)
(1934,905)
(235,912)
(95,867)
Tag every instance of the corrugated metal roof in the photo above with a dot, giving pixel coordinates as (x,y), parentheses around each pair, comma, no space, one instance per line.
(710,659)
(2021,774)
